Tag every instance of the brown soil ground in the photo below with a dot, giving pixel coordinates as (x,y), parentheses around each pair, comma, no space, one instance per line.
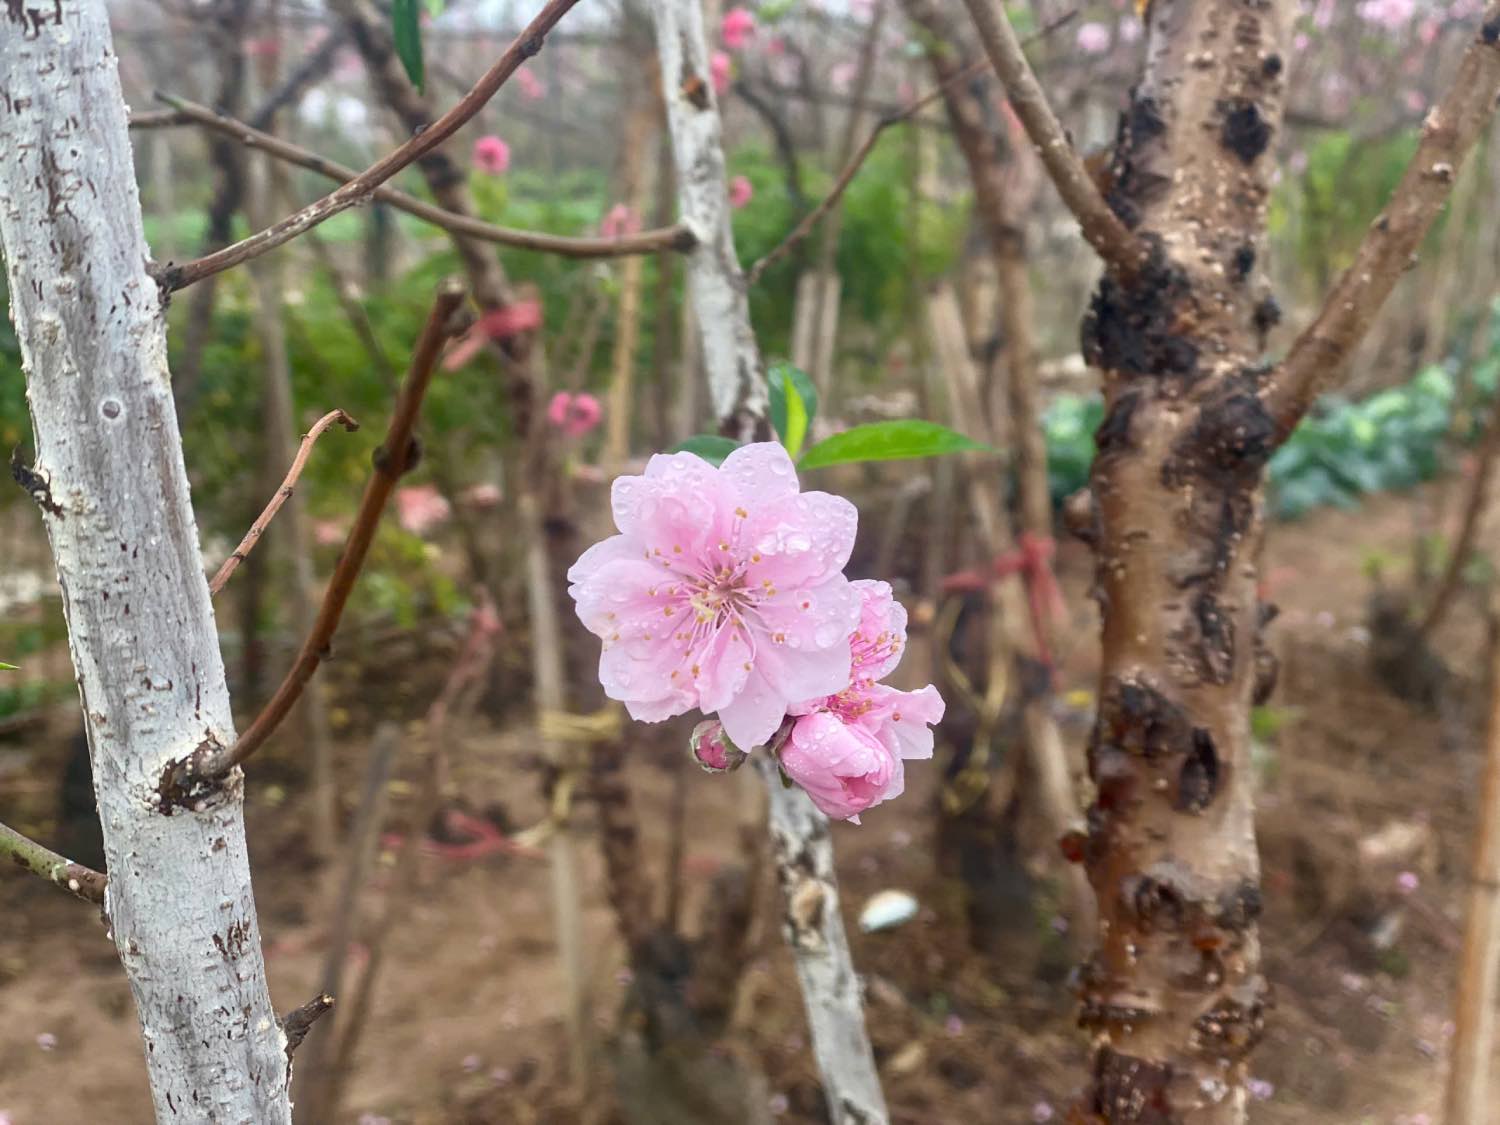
(467,1023)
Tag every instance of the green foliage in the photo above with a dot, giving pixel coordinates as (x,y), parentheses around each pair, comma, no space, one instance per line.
(406,27)
(887,441)
(1391,440)
(794,405)
(711,447)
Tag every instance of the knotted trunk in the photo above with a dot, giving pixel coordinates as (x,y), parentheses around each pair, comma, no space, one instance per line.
(1174,994)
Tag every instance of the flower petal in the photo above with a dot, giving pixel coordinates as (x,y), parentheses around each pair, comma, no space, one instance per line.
(754,714)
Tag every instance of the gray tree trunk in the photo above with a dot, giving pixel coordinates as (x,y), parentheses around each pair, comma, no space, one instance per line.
(110,481)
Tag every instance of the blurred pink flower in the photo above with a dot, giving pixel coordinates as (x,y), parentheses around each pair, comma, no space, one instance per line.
(263,46)
(530,85)
(574,415)
(1392,15)
(1093,38)
(1407,882)
(736,28)
(741,192)
(1042,1111)
(1323,14)
(1301,41)
(1130,29)
(842,76)
(776,46)
(327,532)
(719,67)
(1415,102)
(420,508)
(497,325)
(483,495)
(724,591)
(620,220)
(1260,1089)
(491,155)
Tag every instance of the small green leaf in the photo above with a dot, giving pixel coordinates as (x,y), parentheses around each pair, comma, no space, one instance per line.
(887,441)
(8,667)
(794,404)
(434,7)
(407,29)
(711,447)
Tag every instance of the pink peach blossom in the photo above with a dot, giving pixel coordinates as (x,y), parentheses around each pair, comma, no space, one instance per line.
(491,155)
(420,508)
(723,591)
(898,721)
(741,192)
(1392,15)
(736,28)
(530,85)
(574,415)
(719,67)
(1093,39)
(619,221)
(842,766)
(712,750)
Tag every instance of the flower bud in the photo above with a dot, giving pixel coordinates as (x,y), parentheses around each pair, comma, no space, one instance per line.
(712,750)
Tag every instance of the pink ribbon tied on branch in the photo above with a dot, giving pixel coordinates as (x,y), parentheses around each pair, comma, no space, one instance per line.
(1032,560)
(496,325)
(574,415)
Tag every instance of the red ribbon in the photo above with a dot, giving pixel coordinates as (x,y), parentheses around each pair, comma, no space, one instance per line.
(1032,561)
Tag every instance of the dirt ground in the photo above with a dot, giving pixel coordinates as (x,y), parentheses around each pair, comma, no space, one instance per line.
(1366,805)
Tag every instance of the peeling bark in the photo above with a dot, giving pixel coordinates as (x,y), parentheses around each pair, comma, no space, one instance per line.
(115,502)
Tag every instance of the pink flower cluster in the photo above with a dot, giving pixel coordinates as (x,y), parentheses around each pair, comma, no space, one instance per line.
(574,415)
(492,155)
(724,592)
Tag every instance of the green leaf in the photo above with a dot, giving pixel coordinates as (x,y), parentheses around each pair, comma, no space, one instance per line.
(711,447)
(887,441)
(434,7)
(794,404)
(8,667)
(407,29)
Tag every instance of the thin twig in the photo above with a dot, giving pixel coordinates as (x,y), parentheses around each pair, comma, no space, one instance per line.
(247,544)
(1463,547)
(861,154)
(78,880)
(359,189)
(1448,133)
(677,237)
(397,454)
(1110,238)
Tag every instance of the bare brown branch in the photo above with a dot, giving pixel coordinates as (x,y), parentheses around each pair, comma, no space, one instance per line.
(359,189)
(184,112)
(1111,239)
(1449,132)
(805,226)
(397,454)
(78,880)
(257,529)
(296,1023)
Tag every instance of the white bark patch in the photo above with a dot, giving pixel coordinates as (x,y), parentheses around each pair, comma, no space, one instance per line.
(113,490)
(814,929)
(716,285)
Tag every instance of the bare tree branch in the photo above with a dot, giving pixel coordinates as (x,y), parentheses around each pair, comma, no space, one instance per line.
(357,190)
(247,544)
(295,1024)
(1110,238)
(184,112)
(1449,132)
(182,779)
(861,154)
(78,880)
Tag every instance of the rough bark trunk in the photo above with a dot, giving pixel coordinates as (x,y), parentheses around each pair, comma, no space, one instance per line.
(1174,996)
(804,851)
(111,484)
